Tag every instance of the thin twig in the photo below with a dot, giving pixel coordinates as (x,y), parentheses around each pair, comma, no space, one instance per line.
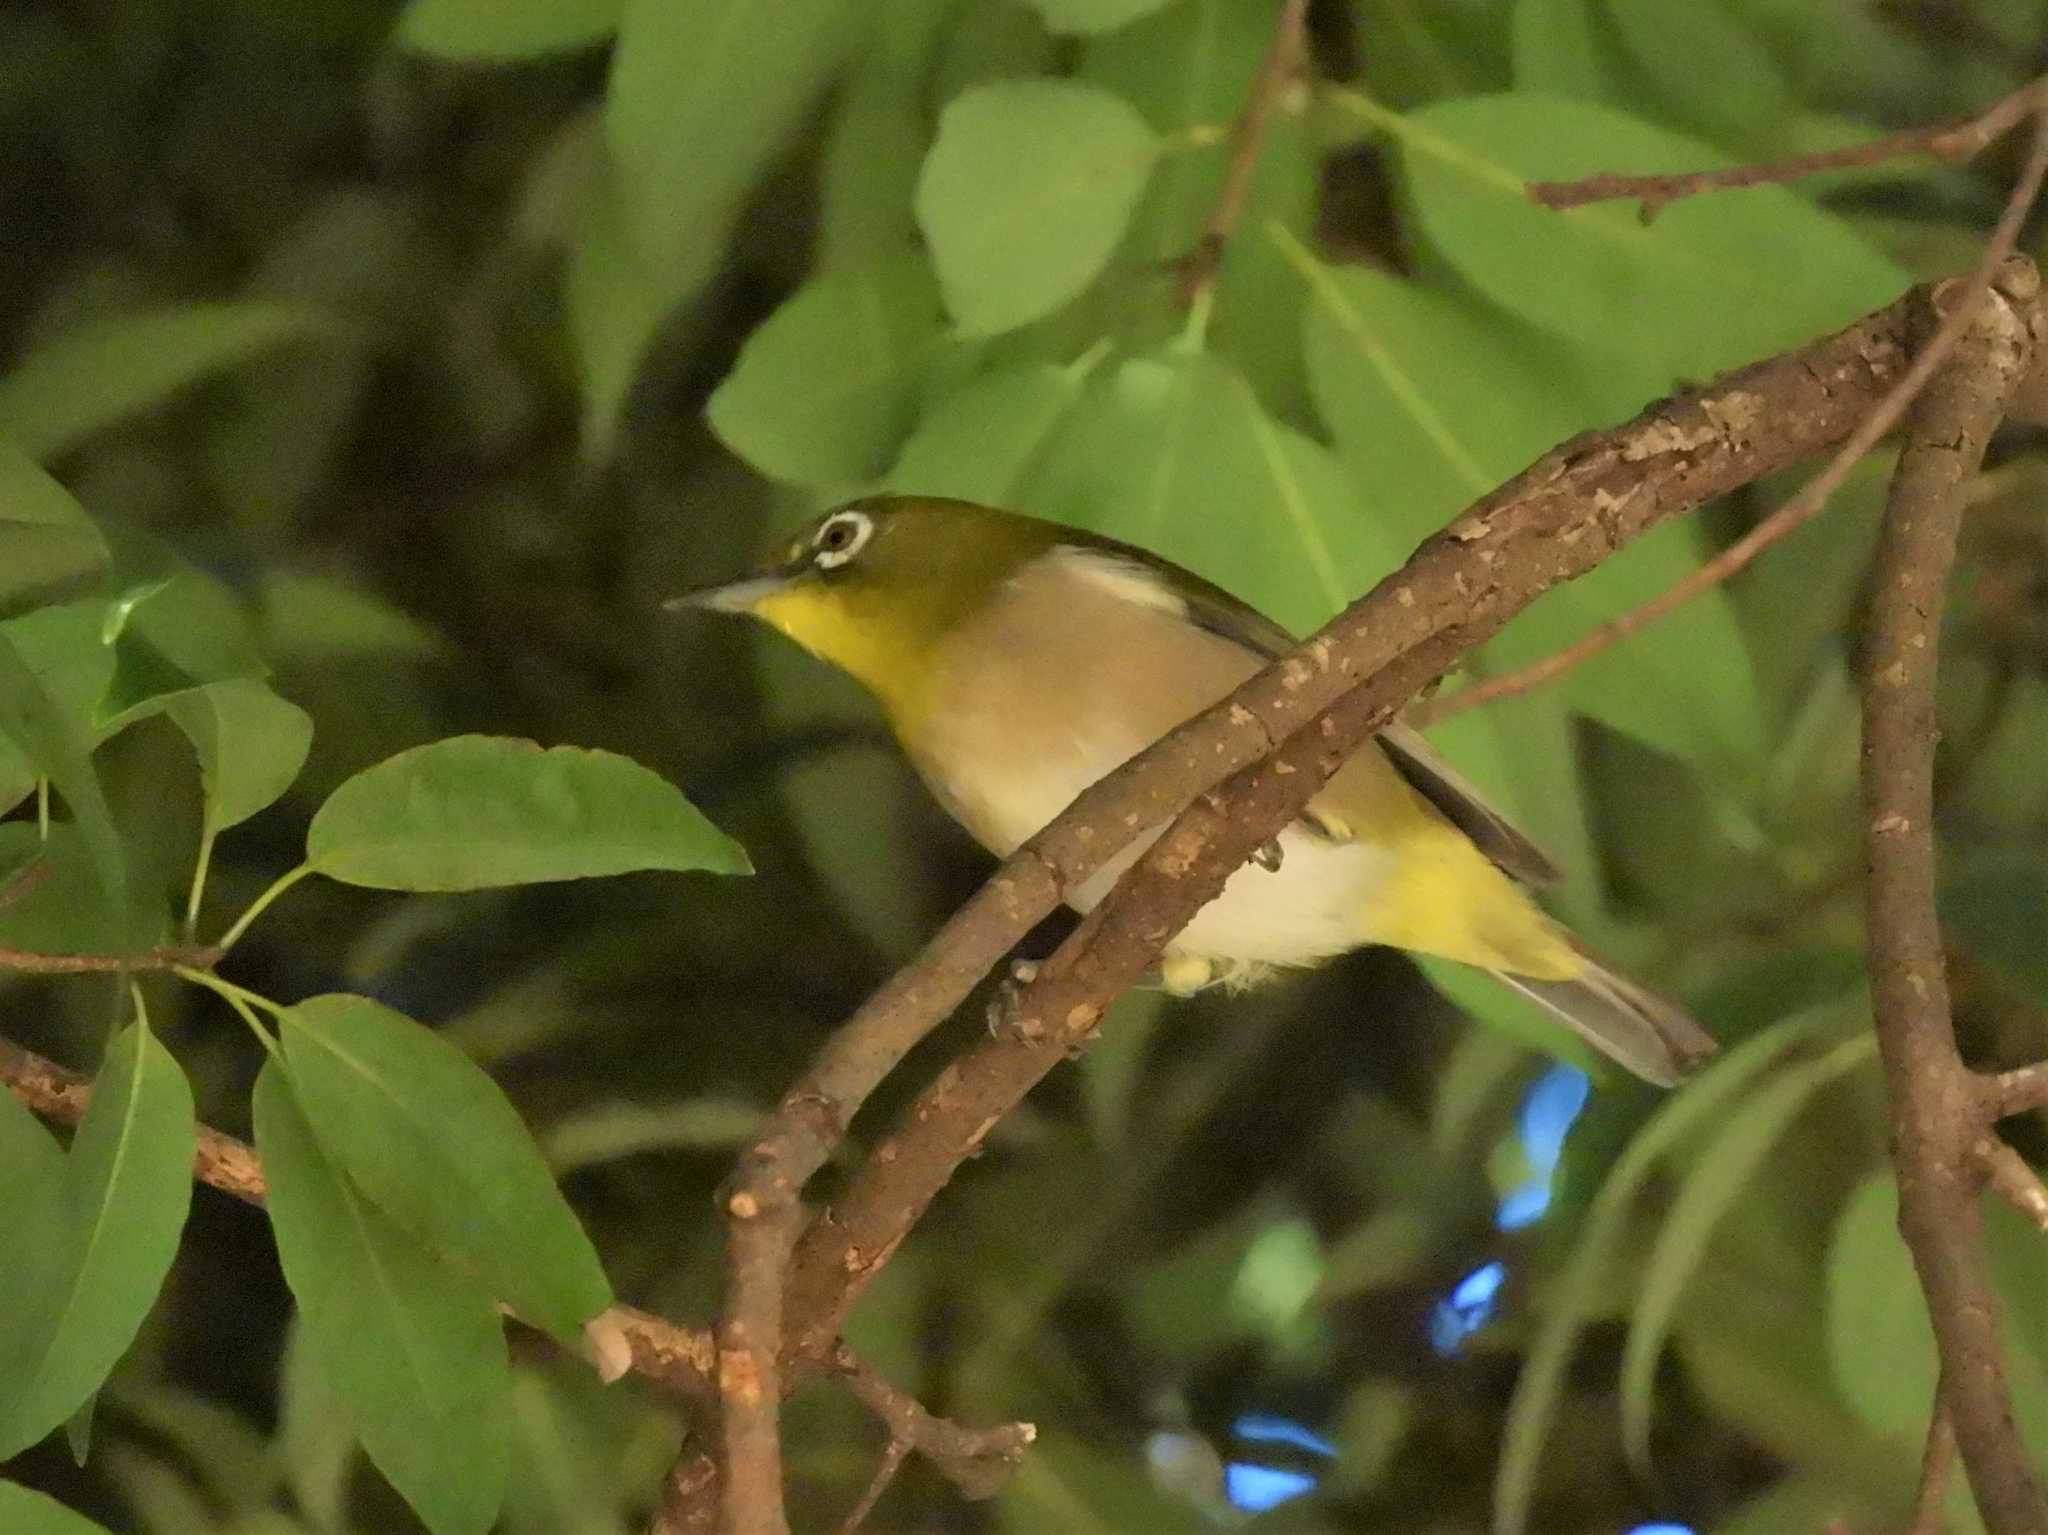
(1558,519)
(885,1473)
(681,1358)
(1955,142)
(2020,1091)
(2011,1178)
(1937,1470)
(1936,1109)
(25,879)
(1795,513)
(976,1460)
(1286,55)
(164,957)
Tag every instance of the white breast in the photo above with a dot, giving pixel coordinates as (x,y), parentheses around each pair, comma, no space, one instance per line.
(1054,695)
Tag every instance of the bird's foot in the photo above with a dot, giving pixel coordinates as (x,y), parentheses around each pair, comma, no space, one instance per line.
(1002,1008)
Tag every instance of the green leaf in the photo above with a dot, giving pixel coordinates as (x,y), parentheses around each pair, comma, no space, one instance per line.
(1880,1342)
(610,1132)
(824,391)
(1187,68)
(34,1513)
(316,617)
(1724,1167)
(703,95)
(49,548)
(56,746)
(616,304)
(61,909)
(61,646)
(1090,16)
(1714,283)
(1025,195)
(412,1345)
(35,1260)
(1433,400)
(473,812)
(430,1138)
(1558,50)
(1113,1067)
(1574,1296)
(177,630)
(500,30)
(1803,1502)
(315,1447)
(127,1184)
(1067,1486)
(1705,70)
(868,175)
(101,373)
(1479,996)
(1994,902)
(980,442)
(251,745)
(992,40)
(1173,452)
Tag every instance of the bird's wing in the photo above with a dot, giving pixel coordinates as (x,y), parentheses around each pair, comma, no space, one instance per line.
(1453,796)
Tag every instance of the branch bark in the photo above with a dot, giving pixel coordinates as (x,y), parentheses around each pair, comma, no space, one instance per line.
(623,1339)
(1937,1105)
(1556,520)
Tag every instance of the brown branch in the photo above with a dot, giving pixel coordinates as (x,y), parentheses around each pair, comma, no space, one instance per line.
(2020,1091)
(691,1503)
(885,1473)
(2011,1178)
(1937,1470)
(164,957)
(1955,142)
(976,1460)
(1278,70)
(1936,1108)
(25,879)
(681,1358)
(1812,496)
(1556,520)
(678,1357)
(56,1092)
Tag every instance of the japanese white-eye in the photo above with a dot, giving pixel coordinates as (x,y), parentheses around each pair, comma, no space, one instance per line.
(1018,662)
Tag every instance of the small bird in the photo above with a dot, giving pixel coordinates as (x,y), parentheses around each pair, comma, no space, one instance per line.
(1018,662)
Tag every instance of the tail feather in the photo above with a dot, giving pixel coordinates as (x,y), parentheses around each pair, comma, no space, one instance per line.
(1651,1035)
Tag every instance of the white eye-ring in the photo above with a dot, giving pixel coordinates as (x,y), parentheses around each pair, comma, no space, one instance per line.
(840,538)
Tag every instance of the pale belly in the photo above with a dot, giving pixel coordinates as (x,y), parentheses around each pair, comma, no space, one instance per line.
(1306,910)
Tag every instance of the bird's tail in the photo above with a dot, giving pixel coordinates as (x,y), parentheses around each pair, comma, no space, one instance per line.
(1651,1035)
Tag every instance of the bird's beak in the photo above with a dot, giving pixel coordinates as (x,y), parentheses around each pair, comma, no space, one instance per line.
(733,597)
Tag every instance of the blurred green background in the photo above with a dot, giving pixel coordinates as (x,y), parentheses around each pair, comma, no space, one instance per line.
(404,322)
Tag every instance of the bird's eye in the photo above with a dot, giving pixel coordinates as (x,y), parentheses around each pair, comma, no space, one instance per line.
(840,539)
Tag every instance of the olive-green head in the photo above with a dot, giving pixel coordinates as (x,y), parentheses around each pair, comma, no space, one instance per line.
(879,585)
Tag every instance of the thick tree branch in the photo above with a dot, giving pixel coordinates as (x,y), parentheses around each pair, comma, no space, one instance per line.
(1937,1110)
(1556,520)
